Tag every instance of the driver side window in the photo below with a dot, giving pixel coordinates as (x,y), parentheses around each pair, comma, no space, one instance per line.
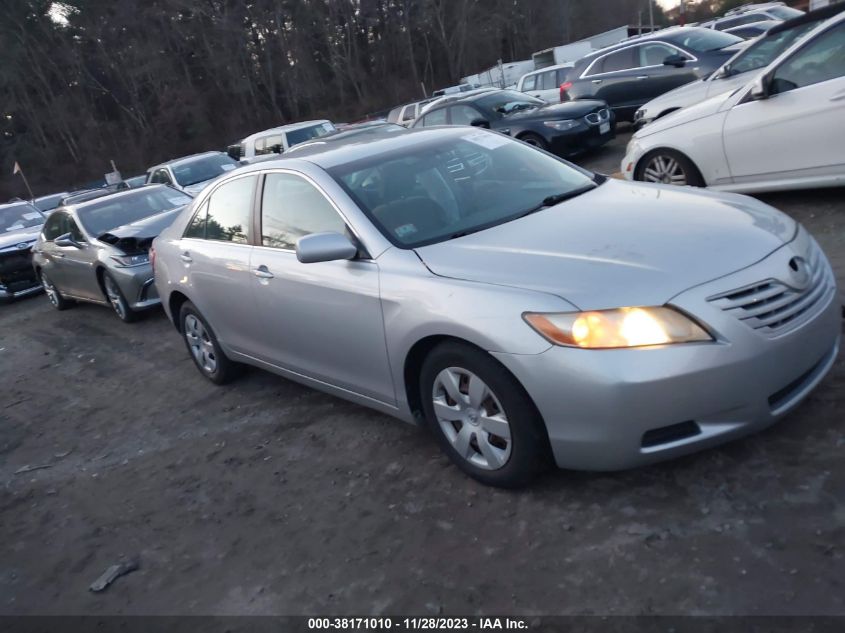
(821,60)
(464,114)
(55,226)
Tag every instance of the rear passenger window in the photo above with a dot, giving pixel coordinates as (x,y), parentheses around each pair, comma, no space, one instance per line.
(438,117)
(291,207)
(229,210)
(621,60)
(528,82)
(197,226)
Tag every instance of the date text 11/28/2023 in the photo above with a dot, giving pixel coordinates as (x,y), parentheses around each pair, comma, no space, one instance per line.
(419,624)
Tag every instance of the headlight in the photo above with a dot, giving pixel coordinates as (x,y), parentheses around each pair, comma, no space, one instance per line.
(561,126)
(622,327)
(639,114)
(132,260)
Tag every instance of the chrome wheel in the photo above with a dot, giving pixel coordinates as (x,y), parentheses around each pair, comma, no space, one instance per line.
(50,289)
(200,344)
(665,170)
(472,418)
(115,298)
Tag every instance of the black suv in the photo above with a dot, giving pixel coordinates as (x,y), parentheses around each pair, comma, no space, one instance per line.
(639,69)
(565,129)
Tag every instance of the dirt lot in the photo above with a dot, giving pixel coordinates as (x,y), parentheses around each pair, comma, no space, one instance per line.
(265,497)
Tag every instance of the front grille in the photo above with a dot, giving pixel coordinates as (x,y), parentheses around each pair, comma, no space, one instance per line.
(16,272)
(595,118)
(772,306)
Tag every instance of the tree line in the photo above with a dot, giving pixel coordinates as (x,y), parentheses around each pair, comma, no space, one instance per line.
(141,81)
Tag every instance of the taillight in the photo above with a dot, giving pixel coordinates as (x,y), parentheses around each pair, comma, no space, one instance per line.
(563,88)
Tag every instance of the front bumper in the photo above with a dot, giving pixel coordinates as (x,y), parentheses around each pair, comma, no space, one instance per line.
(136,284)
(616,409)
(633,154)
(17,275)
(581,139)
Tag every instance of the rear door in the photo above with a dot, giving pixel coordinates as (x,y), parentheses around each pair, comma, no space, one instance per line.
(613,78)
(215,252)
(799,131)
(321,320)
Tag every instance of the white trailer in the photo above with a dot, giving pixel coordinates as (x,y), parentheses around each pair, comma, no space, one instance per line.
(501,75)
(574,51)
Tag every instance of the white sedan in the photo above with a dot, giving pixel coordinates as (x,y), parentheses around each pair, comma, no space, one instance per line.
(784,130)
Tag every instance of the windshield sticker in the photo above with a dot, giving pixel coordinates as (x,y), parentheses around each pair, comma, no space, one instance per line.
(227,167)
(489,140)
(15,227)
(32,215)
(328,127)
(405,230)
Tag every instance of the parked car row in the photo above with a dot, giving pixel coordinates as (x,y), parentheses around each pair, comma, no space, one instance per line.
(780,126)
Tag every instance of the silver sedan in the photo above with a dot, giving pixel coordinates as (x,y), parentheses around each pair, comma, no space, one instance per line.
(98,251)
(527,311)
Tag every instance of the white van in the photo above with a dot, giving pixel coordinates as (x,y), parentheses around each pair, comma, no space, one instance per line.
(279,139)
(545,83)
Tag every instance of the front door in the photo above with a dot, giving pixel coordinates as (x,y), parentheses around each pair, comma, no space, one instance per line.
(79,263)
(799,131)
(321,320)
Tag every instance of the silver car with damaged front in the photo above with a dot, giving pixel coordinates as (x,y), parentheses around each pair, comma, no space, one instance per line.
(98,251)
(523,309)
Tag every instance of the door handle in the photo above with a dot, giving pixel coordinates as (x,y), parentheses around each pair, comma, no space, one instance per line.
(596,81)
(642,77)
(186,257)
(263,273)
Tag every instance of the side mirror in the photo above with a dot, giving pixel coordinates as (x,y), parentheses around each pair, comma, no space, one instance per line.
(480,123)
(324,247)
(678,61)
(66,240)
(760,88)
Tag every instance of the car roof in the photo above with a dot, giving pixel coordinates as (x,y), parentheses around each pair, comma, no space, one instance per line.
(185,159)
(11,205)
(545,68)
(122,193)
(825,13)
(290,127)
(667,34)
(355,133)
(330,155)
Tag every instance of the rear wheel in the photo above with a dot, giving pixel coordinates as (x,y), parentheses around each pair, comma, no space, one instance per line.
(535,140)
(53,294)
(668,167)
(203,346)
(482,416)
(117,300)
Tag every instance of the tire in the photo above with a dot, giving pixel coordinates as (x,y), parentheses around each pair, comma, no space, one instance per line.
(118,302)
(535,140)
(203,347)
(463,424)
(666,166)
(53,294)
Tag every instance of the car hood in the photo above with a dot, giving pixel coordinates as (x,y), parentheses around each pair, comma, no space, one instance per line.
(694,112)
(139,235)
(556,111)
(9,240)
(622,244)
(677,98)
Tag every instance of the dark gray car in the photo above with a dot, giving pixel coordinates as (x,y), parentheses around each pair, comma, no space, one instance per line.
(637,70)
(98,251)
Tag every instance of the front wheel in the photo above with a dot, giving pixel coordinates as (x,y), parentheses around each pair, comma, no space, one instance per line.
(204,348)
(117,300)
(482,417)
(53,294)
(668,167)
(535,140)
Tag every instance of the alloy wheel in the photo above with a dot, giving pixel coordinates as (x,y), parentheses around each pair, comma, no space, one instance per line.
(666,170)
(472,418)
(50,289)
(115,298)
(200,344)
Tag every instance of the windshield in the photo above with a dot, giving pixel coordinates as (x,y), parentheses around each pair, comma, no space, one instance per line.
(307,133)
(202,169)
(762,52)
(784,13)
(19,216)
(48,203)
(450,187)
(705,40)
(100,217)
(508,101)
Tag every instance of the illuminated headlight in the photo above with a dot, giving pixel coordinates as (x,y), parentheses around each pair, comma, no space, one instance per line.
(128,261)
(561,126)
(622,327)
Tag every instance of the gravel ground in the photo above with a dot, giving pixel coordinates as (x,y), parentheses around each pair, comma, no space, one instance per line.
(265,497)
